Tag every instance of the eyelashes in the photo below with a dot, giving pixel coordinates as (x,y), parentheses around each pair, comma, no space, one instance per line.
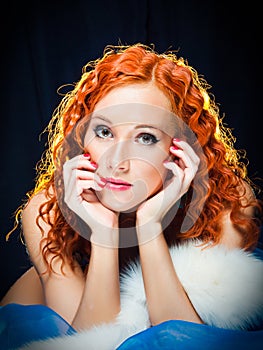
(144,138)
(103,132)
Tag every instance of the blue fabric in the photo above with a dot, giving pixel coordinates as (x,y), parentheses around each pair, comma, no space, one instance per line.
(258,252)
(20,324)
(182,335)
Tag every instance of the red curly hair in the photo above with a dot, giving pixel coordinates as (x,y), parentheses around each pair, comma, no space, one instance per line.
(190,100)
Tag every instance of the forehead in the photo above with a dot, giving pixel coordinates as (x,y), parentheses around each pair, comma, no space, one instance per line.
(138,114)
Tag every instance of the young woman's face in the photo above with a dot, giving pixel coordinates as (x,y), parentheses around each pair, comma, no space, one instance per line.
(129,136)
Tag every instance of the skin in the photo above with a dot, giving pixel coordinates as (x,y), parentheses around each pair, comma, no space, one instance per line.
(89,299)
(136,152)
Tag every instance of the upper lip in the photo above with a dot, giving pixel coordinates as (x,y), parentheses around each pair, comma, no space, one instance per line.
(117,181)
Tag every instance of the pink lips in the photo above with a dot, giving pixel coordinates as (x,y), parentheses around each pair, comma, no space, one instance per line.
(117,184)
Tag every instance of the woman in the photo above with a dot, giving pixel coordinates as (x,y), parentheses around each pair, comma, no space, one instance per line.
(139,166)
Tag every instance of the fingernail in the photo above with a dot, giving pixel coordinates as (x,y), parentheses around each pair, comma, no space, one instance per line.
(176,140)
(87,155)
(174,148)
(95,165)
(102,182)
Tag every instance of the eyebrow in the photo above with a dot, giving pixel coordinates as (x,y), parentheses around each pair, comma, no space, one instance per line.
(98,116)
(146,126)
(136,127)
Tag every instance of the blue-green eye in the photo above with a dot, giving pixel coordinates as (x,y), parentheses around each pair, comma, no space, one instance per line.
(102,132)
(146,139)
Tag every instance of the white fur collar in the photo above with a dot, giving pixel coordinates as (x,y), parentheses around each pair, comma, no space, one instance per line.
(225,287)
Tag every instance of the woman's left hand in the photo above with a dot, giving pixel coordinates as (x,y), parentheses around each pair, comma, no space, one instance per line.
(183,168)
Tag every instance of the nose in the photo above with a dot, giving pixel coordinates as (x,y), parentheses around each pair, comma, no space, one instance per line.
(117,159)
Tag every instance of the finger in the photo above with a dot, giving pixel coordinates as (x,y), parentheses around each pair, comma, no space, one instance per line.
(93,182)
(181,179)
(89,196)
(80,162)
(87,175)
(77,158)
(82,168)
(173,187)
(183,159)
(175,169)
(187,148)
(84,185)
(75,187)
(185,155)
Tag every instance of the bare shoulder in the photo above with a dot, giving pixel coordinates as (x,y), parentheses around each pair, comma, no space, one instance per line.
(31,211)
(35,202)
(231,237)
(34,229)
(247,193)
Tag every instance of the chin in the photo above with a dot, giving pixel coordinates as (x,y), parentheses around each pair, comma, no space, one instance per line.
(121,207)
(120,202)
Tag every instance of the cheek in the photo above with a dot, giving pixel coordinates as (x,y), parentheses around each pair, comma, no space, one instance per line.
(152,175)
(152,163)
(92,146)
(149,160)
(96,150)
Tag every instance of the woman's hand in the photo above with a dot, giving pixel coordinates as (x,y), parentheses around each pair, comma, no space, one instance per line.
(183,169)
(81,183)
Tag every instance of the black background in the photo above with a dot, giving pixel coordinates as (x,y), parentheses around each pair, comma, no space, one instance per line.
(45,44)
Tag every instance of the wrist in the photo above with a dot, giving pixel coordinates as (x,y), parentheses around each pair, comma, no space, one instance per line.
(105,237)
(148,231)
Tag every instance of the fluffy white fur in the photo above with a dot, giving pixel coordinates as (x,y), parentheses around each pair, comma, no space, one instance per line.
(224,286)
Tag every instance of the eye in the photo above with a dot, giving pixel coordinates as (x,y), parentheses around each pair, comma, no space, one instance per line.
(102,132)
(146,139)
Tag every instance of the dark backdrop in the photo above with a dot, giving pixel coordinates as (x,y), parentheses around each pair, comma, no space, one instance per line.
(44,44)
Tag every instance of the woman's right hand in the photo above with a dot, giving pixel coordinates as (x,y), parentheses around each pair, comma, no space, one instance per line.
(81,183)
